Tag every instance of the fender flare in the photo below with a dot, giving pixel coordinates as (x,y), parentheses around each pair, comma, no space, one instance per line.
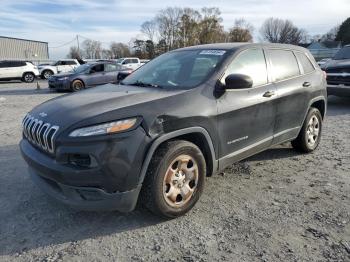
(175,134)
(313,100)
(316,99)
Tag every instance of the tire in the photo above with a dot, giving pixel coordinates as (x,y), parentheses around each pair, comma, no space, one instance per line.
(179,167)
(310,133)
(46,74)
(77,85)
(28,77)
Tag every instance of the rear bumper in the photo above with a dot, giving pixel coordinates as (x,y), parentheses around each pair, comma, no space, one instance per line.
(338,90)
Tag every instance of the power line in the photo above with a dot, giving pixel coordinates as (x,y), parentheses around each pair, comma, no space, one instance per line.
(62,45)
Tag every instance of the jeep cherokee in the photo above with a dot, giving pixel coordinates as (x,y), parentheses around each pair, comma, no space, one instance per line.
(183,116)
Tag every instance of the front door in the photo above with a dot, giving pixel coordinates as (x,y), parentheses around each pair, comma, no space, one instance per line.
(246,117)
(96,76)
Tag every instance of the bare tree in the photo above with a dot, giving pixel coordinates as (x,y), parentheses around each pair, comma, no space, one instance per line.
(331,34)
(211,30)
(119,50)
(277,30)
(167,22)
(241,32)
(92,49)
(73,53)
(188,27)
(149,28)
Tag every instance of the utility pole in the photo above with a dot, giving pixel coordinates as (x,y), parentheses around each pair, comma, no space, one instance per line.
(78,45)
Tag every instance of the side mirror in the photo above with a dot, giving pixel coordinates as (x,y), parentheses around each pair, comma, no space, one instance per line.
(238,81)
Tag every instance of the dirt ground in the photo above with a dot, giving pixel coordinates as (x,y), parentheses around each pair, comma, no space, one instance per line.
(276,206)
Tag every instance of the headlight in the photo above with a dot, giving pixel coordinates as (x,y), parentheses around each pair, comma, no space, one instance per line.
(62,78)
(106,128)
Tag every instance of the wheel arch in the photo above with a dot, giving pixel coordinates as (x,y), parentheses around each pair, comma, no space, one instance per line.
(197,135)
(320,104)
(26,72)
(75,79)
(47,69)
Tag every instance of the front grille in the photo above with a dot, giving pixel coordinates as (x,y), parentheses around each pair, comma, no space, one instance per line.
(338,78)
(338,70)
(39,133)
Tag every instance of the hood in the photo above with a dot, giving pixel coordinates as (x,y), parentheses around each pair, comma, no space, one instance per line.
(70,109)
(337,64)
(63,74)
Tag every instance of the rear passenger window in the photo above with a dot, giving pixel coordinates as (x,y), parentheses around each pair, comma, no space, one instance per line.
(284,64)
(251,63)
(110,67)
(70,63)
(305,62)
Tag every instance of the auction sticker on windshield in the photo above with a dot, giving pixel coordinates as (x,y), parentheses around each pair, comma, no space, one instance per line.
(212,52)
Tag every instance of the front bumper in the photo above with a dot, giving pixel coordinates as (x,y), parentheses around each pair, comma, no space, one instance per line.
(59,85)
(86,198)
(112,183)
(338,90)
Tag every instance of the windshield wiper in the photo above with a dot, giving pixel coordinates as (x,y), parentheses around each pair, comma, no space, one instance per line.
(143,84)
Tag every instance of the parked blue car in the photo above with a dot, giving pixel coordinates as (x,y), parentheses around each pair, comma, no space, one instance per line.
(87,75)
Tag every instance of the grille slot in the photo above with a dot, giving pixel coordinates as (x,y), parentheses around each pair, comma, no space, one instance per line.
(40,133)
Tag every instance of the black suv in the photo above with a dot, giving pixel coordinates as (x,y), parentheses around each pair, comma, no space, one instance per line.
(338,73)
(181,117)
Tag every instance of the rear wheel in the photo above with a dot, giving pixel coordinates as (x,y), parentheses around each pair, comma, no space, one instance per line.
(310,134)
(28,77)
(175,179)
(77,85)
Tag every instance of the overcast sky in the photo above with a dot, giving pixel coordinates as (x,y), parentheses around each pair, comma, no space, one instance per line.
(57,22)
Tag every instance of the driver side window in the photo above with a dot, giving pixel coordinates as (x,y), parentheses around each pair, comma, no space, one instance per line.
(97,68)
(251,63)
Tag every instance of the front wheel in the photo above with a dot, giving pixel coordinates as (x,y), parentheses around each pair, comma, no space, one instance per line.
(175,179)
(77,85)
(310,134)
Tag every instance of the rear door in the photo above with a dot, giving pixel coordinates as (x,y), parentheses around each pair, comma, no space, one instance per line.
(246,117)
(111,73)
(292,97)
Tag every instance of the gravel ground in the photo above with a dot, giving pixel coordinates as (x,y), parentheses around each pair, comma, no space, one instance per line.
(276,206)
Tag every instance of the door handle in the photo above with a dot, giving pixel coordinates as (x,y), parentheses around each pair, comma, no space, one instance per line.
(269,94)
(306,84)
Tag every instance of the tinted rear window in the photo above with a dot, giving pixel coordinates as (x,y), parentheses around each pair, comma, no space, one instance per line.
(284,64)
(70,63)
(305,62)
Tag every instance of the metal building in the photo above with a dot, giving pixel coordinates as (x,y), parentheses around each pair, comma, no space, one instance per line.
(23,49)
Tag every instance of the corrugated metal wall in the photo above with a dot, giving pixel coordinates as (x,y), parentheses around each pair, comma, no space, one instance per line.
(12,48)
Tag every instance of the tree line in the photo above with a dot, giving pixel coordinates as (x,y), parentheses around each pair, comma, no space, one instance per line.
(176,27)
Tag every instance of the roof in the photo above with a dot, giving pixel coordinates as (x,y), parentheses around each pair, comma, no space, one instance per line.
(23,39)
(243,45)
(325,45)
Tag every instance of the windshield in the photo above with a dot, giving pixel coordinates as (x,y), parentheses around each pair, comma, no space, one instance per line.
(82,68)
(182,69)
(343,53)
(118,61)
